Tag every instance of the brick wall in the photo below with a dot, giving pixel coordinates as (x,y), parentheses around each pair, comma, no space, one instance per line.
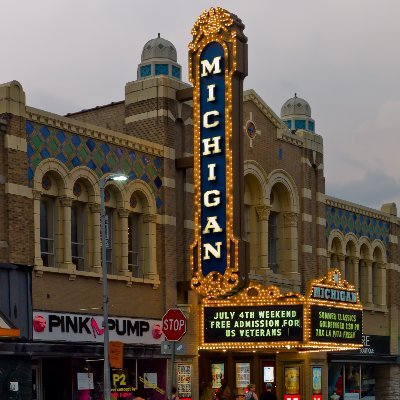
(110,116)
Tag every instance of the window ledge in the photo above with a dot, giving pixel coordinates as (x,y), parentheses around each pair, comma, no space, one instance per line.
(374,309)
(74,273)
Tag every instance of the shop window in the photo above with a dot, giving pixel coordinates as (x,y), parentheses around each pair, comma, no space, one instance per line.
(78,235)
(134,262)
(47,227)
(273,241)
(352,381)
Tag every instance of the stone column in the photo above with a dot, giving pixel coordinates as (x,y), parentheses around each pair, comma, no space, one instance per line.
(263,216)
(328,259)
(150,246)
(342,263)
(123,215)
(368,266)
(290,249)
(356,271)
(381,276)
(66,203)
(96,241)
(36,223)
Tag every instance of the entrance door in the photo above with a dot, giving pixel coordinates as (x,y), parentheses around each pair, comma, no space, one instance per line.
(268,375)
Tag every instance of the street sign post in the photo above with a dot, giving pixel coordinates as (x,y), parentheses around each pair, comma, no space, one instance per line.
(173,327)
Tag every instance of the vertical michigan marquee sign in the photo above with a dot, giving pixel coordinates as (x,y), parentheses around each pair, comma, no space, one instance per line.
(217,67)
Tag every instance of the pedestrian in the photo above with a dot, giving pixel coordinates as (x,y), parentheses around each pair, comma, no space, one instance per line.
(268,395)
(251,392)
(208,392)
(224,392)
(174,393)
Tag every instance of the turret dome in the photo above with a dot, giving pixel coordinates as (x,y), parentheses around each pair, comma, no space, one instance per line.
(159,48)
(159,57)
(296,106)
(296,114)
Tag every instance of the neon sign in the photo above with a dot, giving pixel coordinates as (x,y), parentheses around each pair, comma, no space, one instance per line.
(217,67)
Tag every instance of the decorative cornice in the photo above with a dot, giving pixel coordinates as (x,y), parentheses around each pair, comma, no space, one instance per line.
(356,208)
(251,95)
(94,132)
(289,137)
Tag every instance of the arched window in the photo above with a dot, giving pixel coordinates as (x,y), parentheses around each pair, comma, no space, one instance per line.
(78,235)
(141,235)
(135,258)
(282,231)
(81,229)
(47,230)
(351,263)
(50,219)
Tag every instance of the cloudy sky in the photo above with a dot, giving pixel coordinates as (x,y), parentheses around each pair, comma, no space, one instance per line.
(342,56)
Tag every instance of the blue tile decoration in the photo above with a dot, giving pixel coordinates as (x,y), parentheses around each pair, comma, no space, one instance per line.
(76,161)
(161,69)
(60,136)
(29,127)
(61,158)
(361,225)
(44,130)
(76,141)
(288,123)
(176,72)
(299,124)
(311,126)
(74,150)
(145,70)
(105,148)
(90,144)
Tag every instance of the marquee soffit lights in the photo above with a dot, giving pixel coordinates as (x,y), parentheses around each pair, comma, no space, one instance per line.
(214,25)
(257,295)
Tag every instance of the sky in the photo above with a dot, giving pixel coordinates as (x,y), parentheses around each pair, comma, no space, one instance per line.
(342,56)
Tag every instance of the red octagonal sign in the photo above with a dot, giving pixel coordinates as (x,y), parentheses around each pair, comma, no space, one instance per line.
(174,324)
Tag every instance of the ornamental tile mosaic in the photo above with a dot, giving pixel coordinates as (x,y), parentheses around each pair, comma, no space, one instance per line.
(74,150)
(361,225)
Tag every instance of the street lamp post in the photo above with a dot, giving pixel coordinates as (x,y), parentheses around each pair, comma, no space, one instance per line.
(103,182)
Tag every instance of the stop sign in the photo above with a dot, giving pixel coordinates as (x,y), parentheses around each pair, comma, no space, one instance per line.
(174,324)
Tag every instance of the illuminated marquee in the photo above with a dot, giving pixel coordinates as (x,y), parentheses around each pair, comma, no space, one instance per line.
(217,67)
(261,317)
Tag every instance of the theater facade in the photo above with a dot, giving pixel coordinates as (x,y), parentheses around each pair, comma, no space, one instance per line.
(224,215)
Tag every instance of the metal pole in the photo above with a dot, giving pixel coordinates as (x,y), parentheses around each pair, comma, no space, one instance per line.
(172,370)
(106,378)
